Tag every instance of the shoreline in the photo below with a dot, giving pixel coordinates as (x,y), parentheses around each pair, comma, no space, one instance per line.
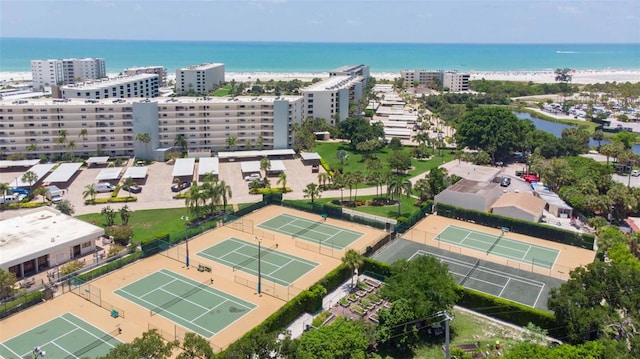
(546,76)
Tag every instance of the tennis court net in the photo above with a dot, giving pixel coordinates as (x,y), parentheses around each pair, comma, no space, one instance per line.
(305,230)
(473,269)
(80,353)
(254,258)
(161,308)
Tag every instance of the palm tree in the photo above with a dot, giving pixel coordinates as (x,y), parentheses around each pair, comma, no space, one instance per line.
(62,138)
(265,165)
(312,191)
(71,145)
(89,191)
(29,177)
(349,180)
(231,141)
(32,147)
(146,139)
(211,190)
(225,192)
(323,178)
(357,178)
(194,200)
(282,179)
(181,141)
(4,188)
(353,260)
(40,191)
(125,214)
(128,182)
(423,188)
(84,133)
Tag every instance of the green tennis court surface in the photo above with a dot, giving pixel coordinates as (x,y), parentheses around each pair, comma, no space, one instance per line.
(500,245)
(474,276)
(66,336)
(312,231)
(275,266)
(195,306)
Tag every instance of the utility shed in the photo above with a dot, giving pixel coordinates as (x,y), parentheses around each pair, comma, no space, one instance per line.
(478,196)
(524,206)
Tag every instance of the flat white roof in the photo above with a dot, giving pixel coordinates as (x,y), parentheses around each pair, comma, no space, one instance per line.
(138,172)
(306,156)
(407,118)
(40,232)
(398,124)
(102,83)
(40,170)
(250,167)
(277,166)
(388,111)
(183,167)
(21,163)
(258,153)
(397,131)
(208,164)
(64,172)
(333,83)
(110,173)
(93,160)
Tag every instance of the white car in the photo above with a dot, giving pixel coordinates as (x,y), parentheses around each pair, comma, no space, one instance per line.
(635,173)
(252,177)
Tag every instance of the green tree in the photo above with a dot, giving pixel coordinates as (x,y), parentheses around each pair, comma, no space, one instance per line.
(29,177)
(144,138)
(181,142)
(399,186)
(282,180)
(395,144)
(342,156)
(211,191)
(149,346)
(352,260)
(84,133)
(4,188)
(494,130)
(358,130)
(265,165)
(195,347)
(231,141)
(109,215)
(626,138)
(225,192)
(342,339)
(598,136)
(574,141)
(399,161)
(312,191)
(7,284)
(89,191)
(129,183)
(323,179)
(195,200)
(65,207)
(423,188)
(437,178)
(125,214)
(563,75)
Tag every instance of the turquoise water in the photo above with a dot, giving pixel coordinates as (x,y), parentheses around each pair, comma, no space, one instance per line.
(16,53)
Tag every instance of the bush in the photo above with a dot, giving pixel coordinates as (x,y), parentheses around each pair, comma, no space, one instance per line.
(70,267)
(121,234)
(20,303)
(111,266)
(326,167)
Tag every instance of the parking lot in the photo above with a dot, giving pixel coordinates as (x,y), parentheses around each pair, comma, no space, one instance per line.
(156,189)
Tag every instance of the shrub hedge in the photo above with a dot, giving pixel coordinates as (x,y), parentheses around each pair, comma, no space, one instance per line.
(111,266)
(326,167)
(583,240)
(111,200)
(21,303)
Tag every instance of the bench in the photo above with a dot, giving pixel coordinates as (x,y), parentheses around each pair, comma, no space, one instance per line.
(202,268)
(115,314)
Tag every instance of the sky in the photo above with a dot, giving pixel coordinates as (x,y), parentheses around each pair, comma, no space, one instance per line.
(415,21)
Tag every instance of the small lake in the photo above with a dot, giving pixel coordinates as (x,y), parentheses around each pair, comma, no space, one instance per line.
(556,128)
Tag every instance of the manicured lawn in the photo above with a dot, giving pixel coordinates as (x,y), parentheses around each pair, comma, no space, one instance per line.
(222,91)
(355,162)
(147,224)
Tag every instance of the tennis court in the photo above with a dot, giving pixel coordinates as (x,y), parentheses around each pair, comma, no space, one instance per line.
(474,276)
(500,245)
(312,231)
(275,266)
(193,305)
(66,336)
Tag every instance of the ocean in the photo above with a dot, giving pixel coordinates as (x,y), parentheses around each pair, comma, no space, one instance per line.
(16,53)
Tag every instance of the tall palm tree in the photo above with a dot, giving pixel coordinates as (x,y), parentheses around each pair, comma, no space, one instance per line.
(349,181)
(62,138)
(146,139)
(89,191)
(282,179)
(353,260)
(29,177)
(32,147)
(231,141)
(323,178)
(312,191)
(357,178)
(4,188)
(225,192)
(181,141)
(265,165)
(71,145)
(194,200)
(84,133)
(211,191)
(128,182)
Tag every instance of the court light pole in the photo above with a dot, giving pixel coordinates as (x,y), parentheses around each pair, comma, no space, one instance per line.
(186,235)
(259,264)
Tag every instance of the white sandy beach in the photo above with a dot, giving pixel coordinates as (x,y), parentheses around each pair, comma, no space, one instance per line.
(579,76)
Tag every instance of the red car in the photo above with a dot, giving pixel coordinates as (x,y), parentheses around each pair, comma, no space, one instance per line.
(531,178)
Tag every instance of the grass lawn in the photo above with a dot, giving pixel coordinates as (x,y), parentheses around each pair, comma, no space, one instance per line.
(146,224)
(328,150)
(222,91)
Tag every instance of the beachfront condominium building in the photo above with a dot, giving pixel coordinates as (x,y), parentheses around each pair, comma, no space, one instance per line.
(452,80)
(63,71)
(351,70)
(158,70)
(136,86)
(109,127)
(199,79)
(330,99)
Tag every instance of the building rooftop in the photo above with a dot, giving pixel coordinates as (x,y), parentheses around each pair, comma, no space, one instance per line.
(39,232)
(334,83)
(177,100)
(204,66)
(524,201)
(474,187)
(99,84)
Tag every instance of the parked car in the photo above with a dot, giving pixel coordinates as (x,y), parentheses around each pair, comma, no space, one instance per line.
(256,184)
(252,177)
(505,182)
(20,190)
(104,187)
(132,189)
(180,187)
(635,173)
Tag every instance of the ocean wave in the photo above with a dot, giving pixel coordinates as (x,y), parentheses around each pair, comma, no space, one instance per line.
(568,52)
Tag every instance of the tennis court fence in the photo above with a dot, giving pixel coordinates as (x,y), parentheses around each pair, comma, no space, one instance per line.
(246,225)
(80,353)
(93,294)
(267,287)
(324,248)
(177,333)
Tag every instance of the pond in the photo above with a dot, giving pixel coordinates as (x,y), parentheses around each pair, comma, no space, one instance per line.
(556,128)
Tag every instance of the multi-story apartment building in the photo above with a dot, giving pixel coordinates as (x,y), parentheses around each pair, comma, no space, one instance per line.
(453,80)
(136,86)
(330,98)
(109,127)
(199,79)
(158,70)
(351,70)
(64,71)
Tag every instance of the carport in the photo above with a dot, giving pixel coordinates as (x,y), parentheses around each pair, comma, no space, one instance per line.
(40,170)
(183,168)
(19,163)
(250,167)
(109,174)
(277,167)
(208,165)
(64,173)
(97,161)
(232,156)
(310,158)
(139,174)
